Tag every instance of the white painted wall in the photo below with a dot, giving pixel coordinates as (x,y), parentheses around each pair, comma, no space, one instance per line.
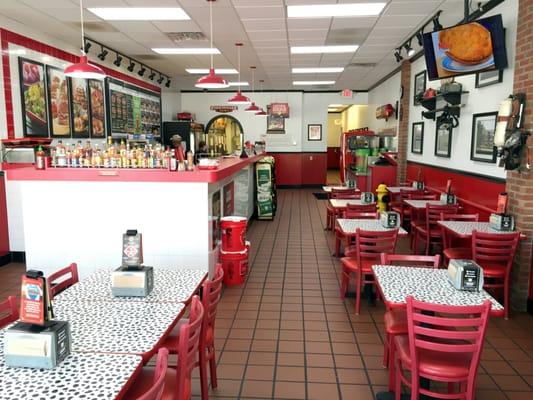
(386,93)
(170,104)
(305,109)
(480,100)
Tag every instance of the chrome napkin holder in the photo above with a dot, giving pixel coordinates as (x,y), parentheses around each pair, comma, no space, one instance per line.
(465,275)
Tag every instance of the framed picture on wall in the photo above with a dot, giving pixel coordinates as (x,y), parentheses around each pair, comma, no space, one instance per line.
(59,102)
(487,78)
(80,107)
(98,119)
(275,124)
(314,132)
(420,87)
(482,145)
(417,138)
(443,139)
(33,98)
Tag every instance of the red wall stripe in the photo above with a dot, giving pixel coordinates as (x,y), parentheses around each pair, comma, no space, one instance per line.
(296,169)
(7,37)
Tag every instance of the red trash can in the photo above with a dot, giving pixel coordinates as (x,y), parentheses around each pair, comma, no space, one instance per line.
(235,266)
(233,231)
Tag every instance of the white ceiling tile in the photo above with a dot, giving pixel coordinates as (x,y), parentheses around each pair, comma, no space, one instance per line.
(266,24)
(248,3)
(308,34)
(420,8)
(144,27)
(177,26)
(260,35)
(315,23)
(361,22)
(261,12)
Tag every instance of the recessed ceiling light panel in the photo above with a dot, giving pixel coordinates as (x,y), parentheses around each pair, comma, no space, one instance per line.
(320,70)
(335,10)
(184,50)
(140,13)
(311,83)
(323,49)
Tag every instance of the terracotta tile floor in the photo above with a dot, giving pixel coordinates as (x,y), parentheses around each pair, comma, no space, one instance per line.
(286,334)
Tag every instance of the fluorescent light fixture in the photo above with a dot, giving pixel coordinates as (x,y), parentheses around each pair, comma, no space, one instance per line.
(238,83)
(335,10)
(313,83)
(203,71)
(140,13)
(336,105)
(17,51)
(323,49)
(185,51)
(321,70)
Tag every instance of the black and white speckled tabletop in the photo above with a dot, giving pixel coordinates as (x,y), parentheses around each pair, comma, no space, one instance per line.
(170,285)
(425,284)
(396,189)
(421,204)
(465,228)
(349,226)
(117,327)
(343,203)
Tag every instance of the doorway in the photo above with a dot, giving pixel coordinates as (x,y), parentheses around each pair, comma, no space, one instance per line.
(224,135)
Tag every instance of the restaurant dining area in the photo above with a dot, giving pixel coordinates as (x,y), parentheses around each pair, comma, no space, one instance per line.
(266,199)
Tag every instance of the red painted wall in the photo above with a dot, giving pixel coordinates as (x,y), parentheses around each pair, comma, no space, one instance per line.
(334,154)
(476,194)
(4,238)
(296,169)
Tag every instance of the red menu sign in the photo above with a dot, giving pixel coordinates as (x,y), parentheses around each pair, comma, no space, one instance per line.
(223,109)
(280,109)
(32,301)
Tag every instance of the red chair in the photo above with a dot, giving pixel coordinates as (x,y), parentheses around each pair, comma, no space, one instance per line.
(495,253)
(403,209)
(354,211)
(177,380)
(57,283)
(396,318)
(9,310)
(366,252)
(211,292)
(156,391)
(429,231)
(331,212)
(452,253)
(439,348)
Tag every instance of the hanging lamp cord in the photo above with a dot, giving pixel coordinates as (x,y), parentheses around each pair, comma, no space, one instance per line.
(82,31)
(211,30)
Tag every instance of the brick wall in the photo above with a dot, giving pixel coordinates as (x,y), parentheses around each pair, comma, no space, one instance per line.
(520,185)
(403,130)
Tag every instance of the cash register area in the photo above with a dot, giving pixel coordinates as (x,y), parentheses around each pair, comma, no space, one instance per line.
(286,333)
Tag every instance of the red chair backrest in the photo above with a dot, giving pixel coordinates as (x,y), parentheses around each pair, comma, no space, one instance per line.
(370,244)
(57,287)
(8,311)
(446,329)
(212,290)
(497,248)
(156,391)
(459,217)
(435,211)
(345,194)
(188,342)
(354,209)
(410,260)
(423,196)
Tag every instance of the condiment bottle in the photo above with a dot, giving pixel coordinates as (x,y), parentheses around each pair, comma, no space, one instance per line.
(40,159)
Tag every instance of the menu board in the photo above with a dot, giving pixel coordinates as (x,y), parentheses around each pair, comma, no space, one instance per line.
(59,102)
(80,107)
(33,95)
(98,122)
(134,111)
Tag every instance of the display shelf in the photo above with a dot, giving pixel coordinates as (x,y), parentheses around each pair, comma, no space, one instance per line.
(452,100)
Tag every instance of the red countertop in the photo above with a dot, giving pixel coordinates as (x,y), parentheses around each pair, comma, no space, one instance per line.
(227,167)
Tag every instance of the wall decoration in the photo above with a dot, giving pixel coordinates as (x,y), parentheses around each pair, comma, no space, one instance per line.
(275,123)
(314,132)
(80,107)
(215,218)
(417,138)
(281,109)
(487,78)
(443,139)
(33,98)
(482,146)
(420,87)
(98,119)
(59,102)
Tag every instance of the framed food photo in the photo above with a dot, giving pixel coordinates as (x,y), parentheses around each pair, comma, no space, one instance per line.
(420,87)
(275,124)
(417,138)
(98,120)
(314,132)
(482,145)
(487,78)
(59,102)
(443,139)
(80,107)
(33,98)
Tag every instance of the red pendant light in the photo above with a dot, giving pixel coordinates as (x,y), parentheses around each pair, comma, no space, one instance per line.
(211,81)
(83,69)
(253,108)
(239,98)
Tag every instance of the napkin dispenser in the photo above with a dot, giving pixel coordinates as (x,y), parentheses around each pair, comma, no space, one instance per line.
(390,219)
(418,185)
(465,275)
(35,346)
(367,198)
(132,282)
(502,222)
(447,198)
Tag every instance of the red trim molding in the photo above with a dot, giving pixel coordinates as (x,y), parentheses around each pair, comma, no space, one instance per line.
(7,37)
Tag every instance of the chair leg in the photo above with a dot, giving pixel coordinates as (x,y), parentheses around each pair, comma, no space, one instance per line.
(506,298)
(203,374)
(392,369)
(386,350)
(337,246)
(358,279)
(397,380)
(213,367)
(344,284)
(428,242)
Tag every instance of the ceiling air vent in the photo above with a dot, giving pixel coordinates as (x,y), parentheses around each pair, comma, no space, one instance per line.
(179,37)
(361,65)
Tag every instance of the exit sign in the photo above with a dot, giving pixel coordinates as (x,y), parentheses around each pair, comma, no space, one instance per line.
(347,93)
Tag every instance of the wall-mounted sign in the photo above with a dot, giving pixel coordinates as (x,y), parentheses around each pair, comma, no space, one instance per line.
(223,109)
(347,93)
(385,112)
(279,109)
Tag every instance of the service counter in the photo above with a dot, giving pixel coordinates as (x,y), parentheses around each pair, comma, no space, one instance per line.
(63,215)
